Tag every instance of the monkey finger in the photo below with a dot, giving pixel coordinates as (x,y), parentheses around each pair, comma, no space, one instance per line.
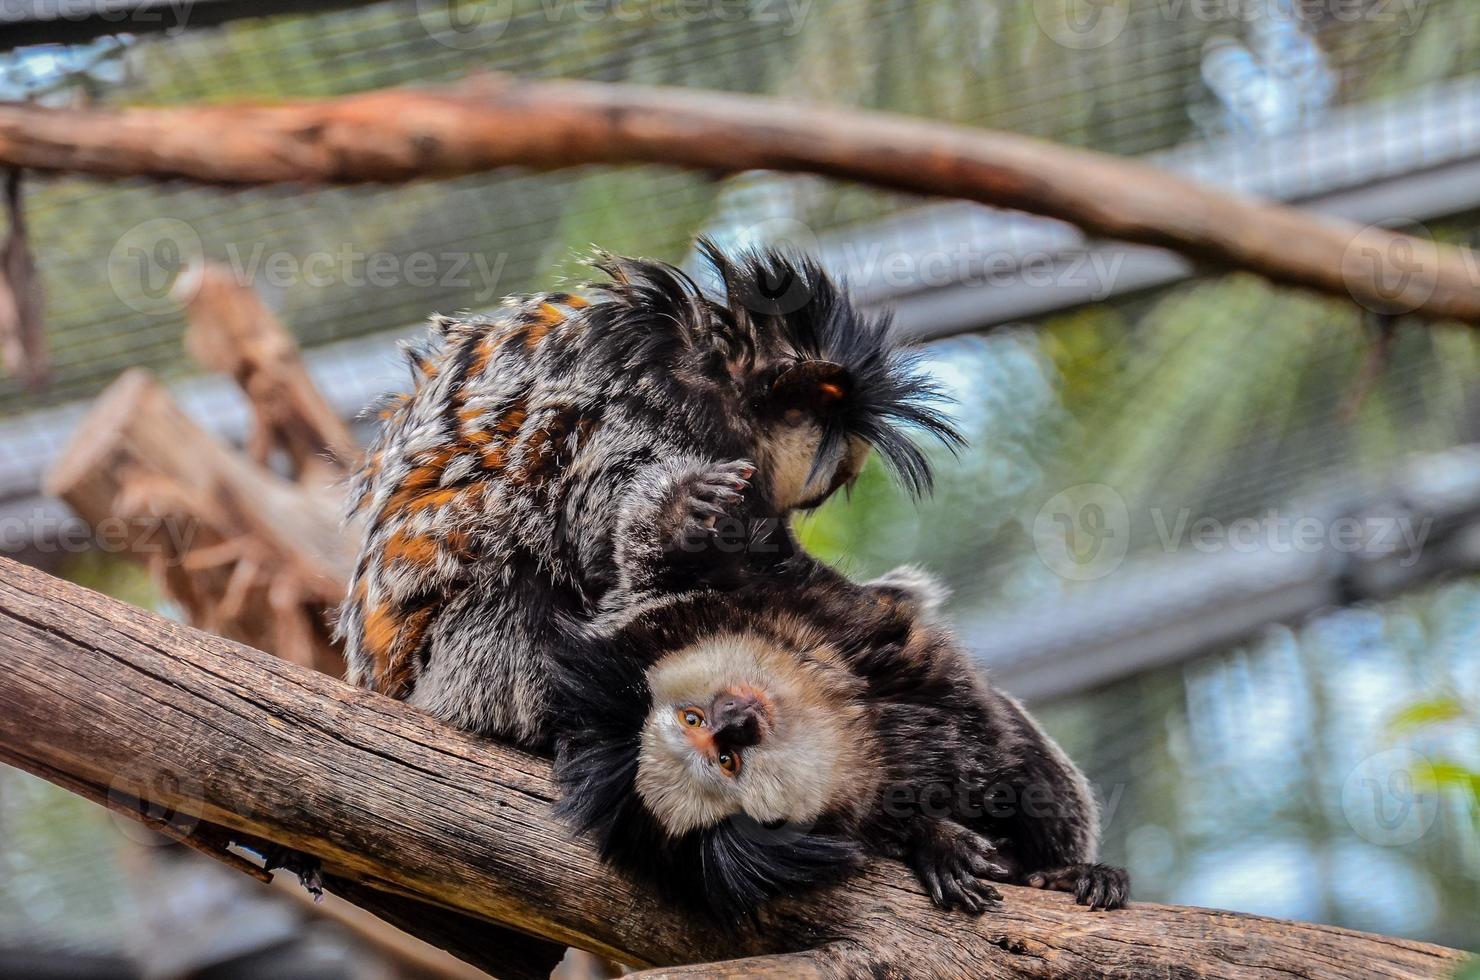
(974,897)
(705,509)
(970,903)
(931,881)
(722,496)
(987,868)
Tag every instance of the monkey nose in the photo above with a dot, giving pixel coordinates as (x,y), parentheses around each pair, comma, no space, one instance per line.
(738,720)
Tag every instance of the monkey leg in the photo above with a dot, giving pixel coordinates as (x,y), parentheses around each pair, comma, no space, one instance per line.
(1100,886)
(955,865)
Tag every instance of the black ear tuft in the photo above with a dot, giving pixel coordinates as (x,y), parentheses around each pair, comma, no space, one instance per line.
(654,309)
(788,302)
(746,864)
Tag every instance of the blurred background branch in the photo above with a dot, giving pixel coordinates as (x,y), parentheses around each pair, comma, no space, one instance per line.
(403,134)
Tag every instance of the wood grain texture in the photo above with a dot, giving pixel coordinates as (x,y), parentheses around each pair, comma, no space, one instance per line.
(100,694)
(403,134)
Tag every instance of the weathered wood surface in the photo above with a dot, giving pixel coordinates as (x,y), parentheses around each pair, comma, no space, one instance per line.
(232,741)
(404,134)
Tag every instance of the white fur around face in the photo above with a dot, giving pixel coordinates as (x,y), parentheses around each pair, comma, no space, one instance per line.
(789,453)
(800,770)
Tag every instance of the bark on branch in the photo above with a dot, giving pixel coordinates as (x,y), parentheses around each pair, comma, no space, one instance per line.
(403,134)
(228,742)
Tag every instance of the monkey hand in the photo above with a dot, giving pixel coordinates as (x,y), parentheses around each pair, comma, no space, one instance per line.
(703,517)
(1100,886)
(956,866)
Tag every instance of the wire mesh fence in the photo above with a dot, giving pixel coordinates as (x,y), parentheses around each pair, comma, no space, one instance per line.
(1215,399)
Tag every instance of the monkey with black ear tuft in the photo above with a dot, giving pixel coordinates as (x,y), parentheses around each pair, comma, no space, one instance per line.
(492,495)
(732,746)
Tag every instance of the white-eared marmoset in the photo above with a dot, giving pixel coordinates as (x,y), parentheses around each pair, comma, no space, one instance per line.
(729,746)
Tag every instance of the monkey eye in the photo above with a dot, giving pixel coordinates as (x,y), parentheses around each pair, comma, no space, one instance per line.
(729,762)
(692,717)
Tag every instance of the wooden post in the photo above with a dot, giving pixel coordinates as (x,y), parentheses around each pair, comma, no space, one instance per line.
(233,332)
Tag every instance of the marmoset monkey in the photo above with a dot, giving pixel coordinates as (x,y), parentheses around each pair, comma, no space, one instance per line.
(732,746)
(492,494)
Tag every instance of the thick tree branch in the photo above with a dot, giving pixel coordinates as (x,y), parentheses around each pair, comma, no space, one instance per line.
(221,737)
(403,134)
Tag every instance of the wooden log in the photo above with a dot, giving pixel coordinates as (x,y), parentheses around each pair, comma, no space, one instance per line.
(231,331)
(406,134)
(391,799)
(247,553)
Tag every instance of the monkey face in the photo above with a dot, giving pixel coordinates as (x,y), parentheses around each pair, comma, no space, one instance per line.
(806,450)
(739,724)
